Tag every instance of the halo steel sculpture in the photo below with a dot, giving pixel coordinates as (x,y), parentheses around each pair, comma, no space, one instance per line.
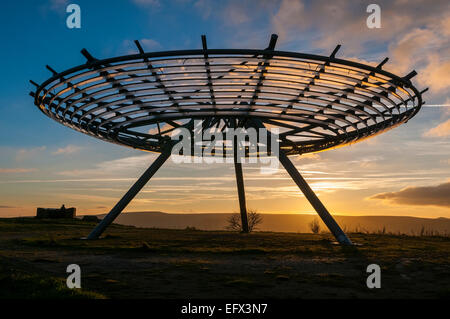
(315,102)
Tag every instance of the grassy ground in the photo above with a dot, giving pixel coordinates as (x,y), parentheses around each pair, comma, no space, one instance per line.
(159,263)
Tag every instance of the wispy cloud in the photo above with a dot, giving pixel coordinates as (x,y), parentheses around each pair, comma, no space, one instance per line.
(235,13)
(115,167)
(69,149)
(425,195)
(442,130)
(153,3)
(27,153)
(205,7)
(58,5)
(414,34)
(17,170)
(150,44)
(129,47)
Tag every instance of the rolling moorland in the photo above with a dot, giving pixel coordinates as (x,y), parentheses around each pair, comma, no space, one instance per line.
(297,223)
(131,262)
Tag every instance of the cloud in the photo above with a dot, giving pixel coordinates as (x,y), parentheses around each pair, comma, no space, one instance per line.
(427,50)
(442,130)
(59,5)
(7,206)
(147,44)
(118,166)
(367,162)
(150,44)
(205,8)
(411,48)
(154,3)
(289,17)
(422,196)
(309,156)
(446,107)
(235,13)
(69,149)
(341,20)
(17,170)
(24,153)
(414,34)
(240,20)
(436,74)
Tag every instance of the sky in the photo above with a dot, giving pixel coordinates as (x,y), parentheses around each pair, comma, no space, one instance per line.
(404,172)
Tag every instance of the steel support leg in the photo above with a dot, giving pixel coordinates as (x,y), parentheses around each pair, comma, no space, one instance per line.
(132,192)
(314,200)
(240,182)
(241,193)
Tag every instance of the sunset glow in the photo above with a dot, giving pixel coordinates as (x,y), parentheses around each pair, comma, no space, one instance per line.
(44,164)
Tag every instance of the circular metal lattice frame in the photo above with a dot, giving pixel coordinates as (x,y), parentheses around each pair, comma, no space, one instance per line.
(316,102)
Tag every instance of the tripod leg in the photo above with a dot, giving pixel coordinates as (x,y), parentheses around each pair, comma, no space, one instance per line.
(309,194)
(132,192)
(241,193)
(314,200)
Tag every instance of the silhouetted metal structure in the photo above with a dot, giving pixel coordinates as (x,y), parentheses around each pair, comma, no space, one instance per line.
(316,102)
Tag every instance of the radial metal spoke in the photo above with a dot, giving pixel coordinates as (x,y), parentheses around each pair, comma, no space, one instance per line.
(322,98)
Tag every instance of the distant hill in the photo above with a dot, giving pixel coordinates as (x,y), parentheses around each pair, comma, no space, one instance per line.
(286,222)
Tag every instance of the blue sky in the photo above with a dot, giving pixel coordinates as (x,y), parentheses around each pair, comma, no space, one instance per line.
(43,163)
